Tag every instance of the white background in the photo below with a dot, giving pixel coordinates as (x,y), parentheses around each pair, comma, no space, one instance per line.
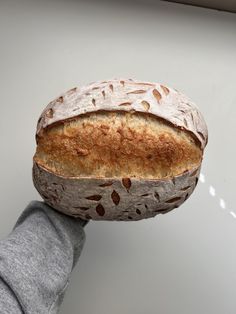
(183,262)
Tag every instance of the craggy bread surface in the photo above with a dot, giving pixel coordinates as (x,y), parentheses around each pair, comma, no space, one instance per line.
(117,144)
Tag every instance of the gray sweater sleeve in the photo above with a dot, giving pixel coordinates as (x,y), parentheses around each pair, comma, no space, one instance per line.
(37,258)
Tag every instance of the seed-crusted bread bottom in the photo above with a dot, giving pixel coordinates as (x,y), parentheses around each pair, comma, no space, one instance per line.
(117,144)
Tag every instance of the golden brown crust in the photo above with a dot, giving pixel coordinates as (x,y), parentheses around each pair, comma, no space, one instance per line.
(117,144)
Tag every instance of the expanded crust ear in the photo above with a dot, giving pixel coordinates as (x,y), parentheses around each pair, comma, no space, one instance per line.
(117,144)
(128,95)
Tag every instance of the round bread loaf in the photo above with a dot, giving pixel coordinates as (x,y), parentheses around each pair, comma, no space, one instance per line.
(118,150)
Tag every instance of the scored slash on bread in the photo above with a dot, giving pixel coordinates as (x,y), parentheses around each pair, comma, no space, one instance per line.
(119,150)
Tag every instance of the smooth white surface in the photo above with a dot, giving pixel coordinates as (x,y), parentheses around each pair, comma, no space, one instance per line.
(183,262)
(227,5)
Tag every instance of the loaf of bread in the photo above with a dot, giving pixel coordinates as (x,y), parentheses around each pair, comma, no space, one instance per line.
(118,150)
